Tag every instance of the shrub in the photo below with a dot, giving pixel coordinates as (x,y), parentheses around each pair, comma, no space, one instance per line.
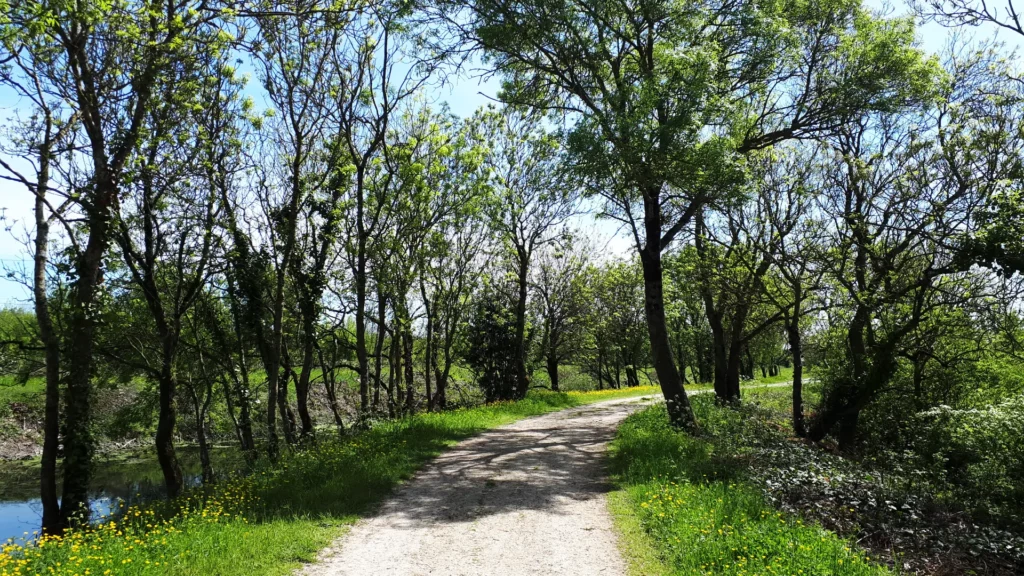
(980,451)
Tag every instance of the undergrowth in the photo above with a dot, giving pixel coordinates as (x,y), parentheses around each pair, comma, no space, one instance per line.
(696,503)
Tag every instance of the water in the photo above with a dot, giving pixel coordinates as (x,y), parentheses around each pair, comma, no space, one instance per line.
(128,479)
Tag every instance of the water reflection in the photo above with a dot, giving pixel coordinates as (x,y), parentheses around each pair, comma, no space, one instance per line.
(127,480)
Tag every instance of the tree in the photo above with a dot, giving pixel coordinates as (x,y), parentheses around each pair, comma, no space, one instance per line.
(686,318)
(618,322)
(165,230)
(88,57)
(491,352)
(450,279)
(50,134)
(563,299)
(382,72)
(530,201)
(666,98)
(911,187)
(295,61)
(732,264)
(796,253)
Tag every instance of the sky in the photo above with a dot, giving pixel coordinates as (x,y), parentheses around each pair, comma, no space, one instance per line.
(463,95)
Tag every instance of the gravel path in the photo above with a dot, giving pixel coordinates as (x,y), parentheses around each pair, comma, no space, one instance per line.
(523,499)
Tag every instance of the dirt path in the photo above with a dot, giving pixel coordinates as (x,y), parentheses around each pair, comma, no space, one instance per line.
(524,499)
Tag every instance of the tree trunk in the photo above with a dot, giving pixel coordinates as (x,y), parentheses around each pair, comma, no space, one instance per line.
(378,347)
(428,345)
(302,384)
(843,403)
(229,404)
(441,377)
(201,409)
(273,369)
(552,365)
(681,359)
(679,410)
(410,379)
(51,345)
(79,445)
(796,349)
(166,422)
(330,386)
(632,380)
(522,378)
(241,382)
(244,412)
(720,355)
(360,282)
(394,372)
(734,369)
(848,430)
(284,407)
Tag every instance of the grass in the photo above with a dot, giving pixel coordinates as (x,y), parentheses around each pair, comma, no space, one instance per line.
(13,391)
(785,375)
(699,515)
(278,516)
(638,548)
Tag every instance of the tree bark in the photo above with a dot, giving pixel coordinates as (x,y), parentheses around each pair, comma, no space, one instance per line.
(720,355)
(166,422)
(428,345)
(284,408)
(410,380)
(552,365)
(378,347)
(394,372)
(360,282)
(330,386)
(679,410)
(302,384)
(796,349)
(522,277)
(51,345)
(79,445)
(632,380)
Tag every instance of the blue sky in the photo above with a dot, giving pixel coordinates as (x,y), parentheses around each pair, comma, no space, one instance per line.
(463,95)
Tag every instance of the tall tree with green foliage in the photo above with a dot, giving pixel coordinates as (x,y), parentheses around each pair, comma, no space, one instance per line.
(911,189)
(531,199)
(666,97)
(90,58)
(563,300)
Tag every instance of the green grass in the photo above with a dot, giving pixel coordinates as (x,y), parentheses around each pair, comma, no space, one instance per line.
(638,548)
(279,516)
(13,391)
(690,499)
(780,400)
(785,375)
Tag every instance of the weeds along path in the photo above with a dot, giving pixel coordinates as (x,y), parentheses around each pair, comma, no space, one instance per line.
(523,499)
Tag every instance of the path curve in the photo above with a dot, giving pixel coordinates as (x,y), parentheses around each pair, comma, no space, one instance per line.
(528,498)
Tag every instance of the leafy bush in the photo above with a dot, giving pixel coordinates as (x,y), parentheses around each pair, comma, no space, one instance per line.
(491,351)
(893,500)
(980,450)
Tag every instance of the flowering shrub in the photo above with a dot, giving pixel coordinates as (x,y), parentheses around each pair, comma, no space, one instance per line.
(980,451)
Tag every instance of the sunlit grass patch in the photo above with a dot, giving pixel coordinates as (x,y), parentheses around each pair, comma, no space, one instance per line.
(703,517)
